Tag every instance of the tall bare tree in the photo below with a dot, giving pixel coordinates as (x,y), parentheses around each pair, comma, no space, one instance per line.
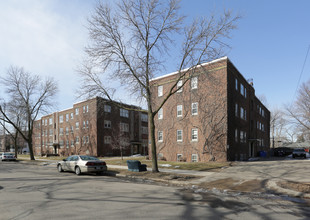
(30,95)
(299,112)
(132,41)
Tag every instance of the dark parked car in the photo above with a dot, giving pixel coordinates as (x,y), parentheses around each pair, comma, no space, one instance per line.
(299,152)
(282,151)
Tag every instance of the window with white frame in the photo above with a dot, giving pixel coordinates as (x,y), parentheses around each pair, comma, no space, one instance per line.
(67,117)
(107,139)
(194,82)
(72,143)
(84,124)
(76,111)
(87,139)
(72,129)
(61,118)
(71,115)
(124,113)
(179,110)
(160,136)
(77,125)
(107,108)
(194,157)
(124,127)
(67,143)
(194,134)
(179,85)
(160,91)
(160,114)
(87,123)
(179,157)
(144,117)
(107,124)
(179,135)
(67,130)
(50,121)
(85,108)
(195,108)
(61,131)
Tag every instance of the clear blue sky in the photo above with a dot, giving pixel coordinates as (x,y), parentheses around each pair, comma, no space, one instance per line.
(47,38)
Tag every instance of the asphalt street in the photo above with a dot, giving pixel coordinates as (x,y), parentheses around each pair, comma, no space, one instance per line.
(40,192)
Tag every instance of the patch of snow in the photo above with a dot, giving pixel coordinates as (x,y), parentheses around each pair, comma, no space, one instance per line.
(165,165)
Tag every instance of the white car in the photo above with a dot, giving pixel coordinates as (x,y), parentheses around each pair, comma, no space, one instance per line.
(7,156)
(82,164)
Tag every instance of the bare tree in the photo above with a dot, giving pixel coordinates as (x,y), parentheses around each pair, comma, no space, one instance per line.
(131,41)
(299,112)
(30,95)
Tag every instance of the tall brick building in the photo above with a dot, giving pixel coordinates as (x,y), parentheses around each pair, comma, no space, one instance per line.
(93,127)
(215,116)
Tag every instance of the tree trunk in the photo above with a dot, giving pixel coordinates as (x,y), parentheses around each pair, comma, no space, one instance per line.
(30,147)
(153,144)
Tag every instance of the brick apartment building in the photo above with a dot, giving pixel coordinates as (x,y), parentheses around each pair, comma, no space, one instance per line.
(94,127)
(215,116)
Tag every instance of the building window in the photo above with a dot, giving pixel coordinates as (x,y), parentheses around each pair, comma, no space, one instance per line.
(194,157)
(61,131)
(107,139)
(77,139)
(67,130)
(242,113)
(160,114)
(242,136)
(124,127)
(194,82)
(195,108)
(179,85)
(71,115)
(85,108)
(77,125)
(144,130)
(144,117)
(124,113)
(107,108)
(61,119)
(236,84)
(67,143)
(87,124)
(72,143)
(194,134)
(160,136)
(236,135)
(87,139)
(84,124)
(107,124)
(50,121)
(71,129)
(76,111)
(179,111)
(179,157)
(67,117)
(179,135)
(160,91)
(236,109)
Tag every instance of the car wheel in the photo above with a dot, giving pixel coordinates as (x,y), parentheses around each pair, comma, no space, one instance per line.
(293,156)
(77,171)
(59,168)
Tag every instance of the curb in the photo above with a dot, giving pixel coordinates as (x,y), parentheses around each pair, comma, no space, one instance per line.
(272,185)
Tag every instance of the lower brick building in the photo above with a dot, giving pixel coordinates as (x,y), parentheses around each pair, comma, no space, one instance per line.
(215,116)
(94,127)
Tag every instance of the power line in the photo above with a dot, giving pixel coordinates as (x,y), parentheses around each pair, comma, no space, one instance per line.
(302,70)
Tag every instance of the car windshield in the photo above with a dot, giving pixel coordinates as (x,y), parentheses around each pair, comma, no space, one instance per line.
(88,158)
(8,154)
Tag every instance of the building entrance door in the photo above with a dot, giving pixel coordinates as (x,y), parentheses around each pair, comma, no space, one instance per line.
(251,150)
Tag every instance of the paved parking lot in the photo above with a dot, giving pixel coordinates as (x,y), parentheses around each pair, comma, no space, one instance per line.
(40,192)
